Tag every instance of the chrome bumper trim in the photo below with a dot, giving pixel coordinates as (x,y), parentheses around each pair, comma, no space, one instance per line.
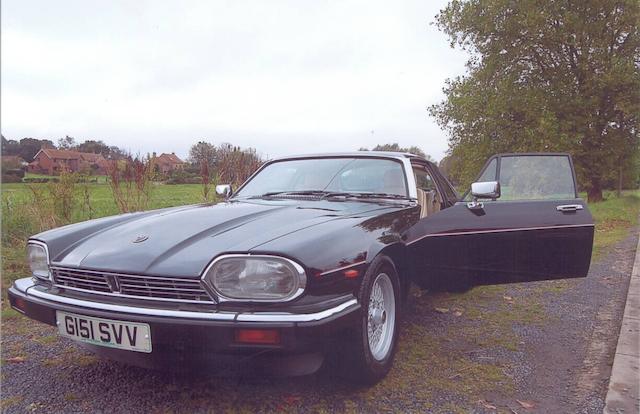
(26,287)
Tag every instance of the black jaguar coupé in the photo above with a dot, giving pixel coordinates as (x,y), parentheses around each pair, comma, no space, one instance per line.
(311,258)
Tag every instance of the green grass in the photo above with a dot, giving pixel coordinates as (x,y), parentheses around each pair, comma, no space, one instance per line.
(614,217)
(102,200)
(101,179)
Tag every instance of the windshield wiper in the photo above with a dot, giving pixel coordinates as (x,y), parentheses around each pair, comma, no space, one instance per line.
(366,195)
(302,192)
(328,194)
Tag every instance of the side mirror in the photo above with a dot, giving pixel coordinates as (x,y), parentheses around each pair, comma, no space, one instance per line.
(483,190)
(486,190)
(224,190)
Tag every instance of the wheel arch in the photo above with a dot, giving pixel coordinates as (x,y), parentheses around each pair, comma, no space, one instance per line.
(399,255)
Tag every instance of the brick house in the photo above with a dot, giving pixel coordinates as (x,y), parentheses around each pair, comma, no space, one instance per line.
(167,163)
(52,161)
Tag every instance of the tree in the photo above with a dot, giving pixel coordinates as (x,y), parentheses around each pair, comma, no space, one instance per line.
(395,147)
(234,164)
(10,146)
(29,147)
(95,147)
(67,143)
(117,153)
(544,76)
(203,153)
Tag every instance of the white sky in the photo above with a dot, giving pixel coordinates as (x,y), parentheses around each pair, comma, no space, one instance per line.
(281,76)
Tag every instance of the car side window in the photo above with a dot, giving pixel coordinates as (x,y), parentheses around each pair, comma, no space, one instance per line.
(536,177)
(429,199)
(489,174)
(423,179)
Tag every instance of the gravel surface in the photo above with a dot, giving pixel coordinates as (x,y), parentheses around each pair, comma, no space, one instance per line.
(536,347)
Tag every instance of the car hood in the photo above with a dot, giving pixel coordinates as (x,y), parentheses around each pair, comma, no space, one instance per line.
(182,241)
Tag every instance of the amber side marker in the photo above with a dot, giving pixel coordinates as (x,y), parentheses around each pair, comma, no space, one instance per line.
(351,274)
(20,305)
(257,336)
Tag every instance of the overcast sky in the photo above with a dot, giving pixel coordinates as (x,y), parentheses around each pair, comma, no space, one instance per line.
(281,76)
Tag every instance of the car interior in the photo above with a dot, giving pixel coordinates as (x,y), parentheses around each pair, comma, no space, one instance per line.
(429,199)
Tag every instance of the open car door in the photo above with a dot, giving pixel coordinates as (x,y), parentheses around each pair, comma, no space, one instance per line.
(522,222)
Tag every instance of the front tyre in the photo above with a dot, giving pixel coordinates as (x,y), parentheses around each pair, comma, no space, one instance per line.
(374,344)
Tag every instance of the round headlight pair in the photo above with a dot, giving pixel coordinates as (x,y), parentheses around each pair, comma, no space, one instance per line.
(255,278)
(38,256)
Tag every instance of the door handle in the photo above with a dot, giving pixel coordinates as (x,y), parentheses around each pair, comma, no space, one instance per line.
(568,208)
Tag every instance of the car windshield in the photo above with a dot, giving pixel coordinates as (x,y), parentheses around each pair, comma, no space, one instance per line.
(353,176)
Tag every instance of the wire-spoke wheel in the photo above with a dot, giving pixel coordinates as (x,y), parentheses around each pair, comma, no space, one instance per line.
(371,346)
(381,317)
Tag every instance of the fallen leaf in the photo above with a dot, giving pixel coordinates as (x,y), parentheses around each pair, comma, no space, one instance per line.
(16,359)
(526,404)
(486,405)
(442,310)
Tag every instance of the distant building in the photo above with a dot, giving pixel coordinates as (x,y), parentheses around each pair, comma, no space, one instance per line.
(52,161)
(167,163)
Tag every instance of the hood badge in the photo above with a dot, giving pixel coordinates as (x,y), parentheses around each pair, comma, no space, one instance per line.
(140,238)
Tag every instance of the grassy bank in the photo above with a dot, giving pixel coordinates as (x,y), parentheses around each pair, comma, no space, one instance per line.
(614,217)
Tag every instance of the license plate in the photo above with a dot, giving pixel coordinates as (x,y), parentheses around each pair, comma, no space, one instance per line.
(106,332)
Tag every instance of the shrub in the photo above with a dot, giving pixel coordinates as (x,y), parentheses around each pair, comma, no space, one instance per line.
(10,178)
(131,182)
(19,172)
(183,180)
(183,177)
(35,180)
(58,202)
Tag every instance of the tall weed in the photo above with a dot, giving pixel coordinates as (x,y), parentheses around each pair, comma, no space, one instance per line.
(131,182)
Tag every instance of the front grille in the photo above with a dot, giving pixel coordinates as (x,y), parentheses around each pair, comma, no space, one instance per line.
(133,286)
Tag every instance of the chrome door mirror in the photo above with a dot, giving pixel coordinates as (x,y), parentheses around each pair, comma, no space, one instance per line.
(224,190)
(485,190)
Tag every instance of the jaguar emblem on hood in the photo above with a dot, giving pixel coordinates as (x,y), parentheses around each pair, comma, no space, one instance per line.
(140,238)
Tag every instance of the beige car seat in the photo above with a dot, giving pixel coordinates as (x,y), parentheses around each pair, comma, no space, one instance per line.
(429,202)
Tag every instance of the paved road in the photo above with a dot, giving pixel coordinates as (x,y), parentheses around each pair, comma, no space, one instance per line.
(537,347)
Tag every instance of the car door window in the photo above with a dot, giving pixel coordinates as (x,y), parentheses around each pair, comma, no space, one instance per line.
(423,179)
(428,198)
(536,177)
(489,173)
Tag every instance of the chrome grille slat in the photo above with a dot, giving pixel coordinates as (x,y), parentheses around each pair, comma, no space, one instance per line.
(131,286)
(72,279)
(151,288)
(156,283)
(84,277)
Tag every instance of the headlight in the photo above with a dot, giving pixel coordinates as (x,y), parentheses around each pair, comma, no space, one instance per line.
(255,278)
(38,259)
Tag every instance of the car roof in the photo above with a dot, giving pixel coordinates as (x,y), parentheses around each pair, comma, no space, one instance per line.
(363,154)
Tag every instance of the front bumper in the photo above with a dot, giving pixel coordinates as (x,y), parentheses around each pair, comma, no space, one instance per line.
(188,340)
